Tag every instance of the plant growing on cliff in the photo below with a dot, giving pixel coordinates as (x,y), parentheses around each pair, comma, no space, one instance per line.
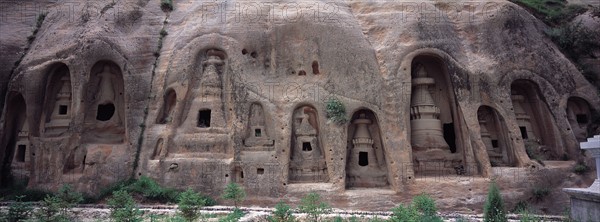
(336,111)
(493,210)
(166,5)
(312,205)
(282,213)
(234,192)
(189,205)
(123,207)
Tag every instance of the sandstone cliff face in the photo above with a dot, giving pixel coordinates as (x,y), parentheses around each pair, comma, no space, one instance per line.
(237,92)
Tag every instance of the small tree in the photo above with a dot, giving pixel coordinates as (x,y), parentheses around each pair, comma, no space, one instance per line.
(282,213)
(190,204)
(494,207)
(123,208)
(234,192)
(19,210)
(426,206)
(50,210)
(312,205)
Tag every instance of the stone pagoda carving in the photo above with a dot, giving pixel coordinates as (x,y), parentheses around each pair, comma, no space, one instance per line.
(258,137)
(21,158)
(523,119)
(495,153)
(307,163)
(364,169)
(61,114)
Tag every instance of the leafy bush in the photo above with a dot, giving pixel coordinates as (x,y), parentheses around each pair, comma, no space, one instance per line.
(574,40)
(233,216)
(282,213)
(56,207)
(336,111)
(166,5)
(540,192)
(189,205)
(552,11)
(235,193)
(123,208)
(312,205)
(422,208)
(493,210)
(148,188)
(18,210)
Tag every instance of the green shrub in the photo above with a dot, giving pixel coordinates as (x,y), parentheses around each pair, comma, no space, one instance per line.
(336,111)
(575,40)
(57,207)
(166,5)
(233,216)
(422,208)
(493,210)
(580,169)
(312,205)
(282,213)
(189,205)
(540,193)
(19,210)
(526,216)
(148,188)
(50,209)
(123,207)
(235,193)
(405,214)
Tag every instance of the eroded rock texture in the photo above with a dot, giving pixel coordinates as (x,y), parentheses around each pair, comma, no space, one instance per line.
(237,91)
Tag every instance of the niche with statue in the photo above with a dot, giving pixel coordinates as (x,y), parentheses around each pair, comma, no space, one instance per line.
(57,112)
(307,161)
(104,105)
(432,114)
(366,166)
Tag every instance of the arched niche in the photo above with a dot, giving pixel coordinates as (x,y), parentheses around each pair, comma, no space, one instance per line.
(433,114)
(257,133)
(307,160)
(366,166)
(165,114)
(494,135)
(534,120)
(16,150)
(57,112)
(579,115)
(105,105)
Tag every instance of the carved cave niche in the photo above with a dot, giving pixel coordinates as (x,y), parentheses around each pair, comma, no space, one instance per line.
(433,113)
(579,116)
(165,114)
(366,163)
(105,105)
(534,119)
(494,134)
(16,153)
(257,133)
(307,161)
(57,111)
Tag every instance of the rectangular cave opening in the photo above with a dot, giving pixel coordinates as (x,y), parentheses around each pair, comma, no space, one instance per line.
(62,110)
(450,136)
(257,132)
(306,146)
(363,158)
(260,171)
(204,118)
(495,143)
(21,153)
(523,132)
(582,118)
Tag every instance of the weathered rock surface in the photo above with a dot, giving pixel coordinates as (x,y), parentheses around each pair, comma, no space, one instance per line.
(237,90)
